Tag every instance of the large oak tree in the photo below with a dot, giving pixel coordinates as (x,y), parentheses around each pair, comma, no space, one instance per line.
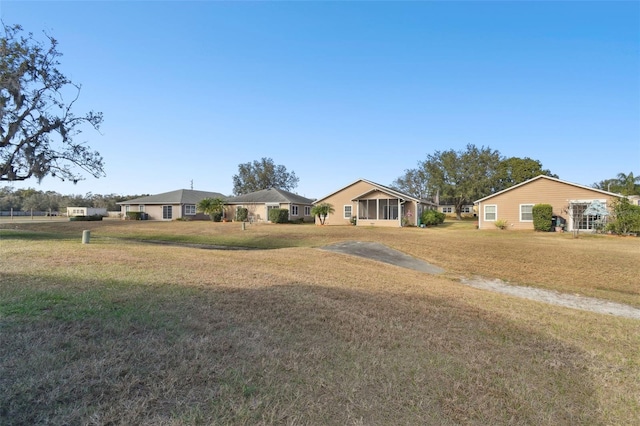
(38,128)
(263,174)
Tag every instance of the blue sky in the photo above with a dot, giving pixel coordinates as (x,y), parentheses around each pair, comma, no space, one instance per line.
(337,91)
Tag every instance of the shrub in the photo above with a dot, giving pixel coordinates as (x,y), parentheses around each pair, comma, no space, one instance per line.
(216,216)
(134,215)
(542,217)
(279,215)
(625,218)
(242,213)
(93,218)
(501,224)
(432,217)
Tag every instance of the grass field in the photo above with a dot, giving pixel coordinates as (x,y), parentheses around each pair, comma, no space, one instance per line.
(126,331)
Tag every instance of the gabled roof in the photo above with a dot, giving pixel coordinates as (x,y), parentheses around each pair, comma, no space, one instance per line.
(378,187)
(271,195)
(180,196)
(551,179)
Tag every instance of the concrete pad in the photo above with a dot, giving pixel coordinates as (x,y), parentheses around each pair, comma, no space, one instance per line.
(382,253)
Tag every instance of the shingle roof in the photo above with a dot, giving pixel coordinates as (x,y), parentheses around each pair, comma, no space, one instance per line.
(548,178)
(180,196)
(271,195)
(388,190)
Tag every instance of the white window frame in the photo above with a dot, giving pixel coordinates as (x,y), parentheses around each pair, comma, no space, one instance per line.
(344,211)
(294,210)
(127,208)
(189,209)
(484,212)
(307,210)
(141,208)
(520,210)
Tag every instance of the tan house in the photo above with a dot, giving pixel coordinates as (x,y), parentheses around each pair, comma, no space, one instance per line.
(569,201)
(259,204)
(179,204)
(372,204)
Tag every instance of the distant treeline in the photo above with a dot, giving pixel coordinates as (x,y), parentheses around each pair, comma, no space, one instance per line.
(32,199)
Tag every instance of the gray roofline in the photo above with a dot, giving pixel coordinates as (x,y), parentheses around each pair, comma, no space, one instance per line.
(550,178)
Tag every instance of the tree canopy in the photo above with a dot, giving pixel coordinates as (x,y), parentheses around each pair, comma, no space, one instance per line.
(461,177)
(623,183)
(38,128)
(263,174)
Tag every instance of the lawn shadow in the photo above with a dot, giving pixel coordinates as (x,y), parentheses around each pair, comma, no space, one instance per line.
(128,353)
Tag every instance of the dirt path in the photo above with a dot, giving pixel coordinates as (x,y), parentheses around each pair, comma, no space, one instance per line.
(382,253)
(555,298)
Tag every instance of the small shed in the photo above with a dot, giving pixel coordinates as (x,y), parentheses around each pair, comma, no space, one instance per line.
(86,211)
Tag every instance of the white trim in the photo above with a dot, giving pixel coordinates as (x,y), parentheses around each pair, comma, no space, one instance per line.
(552,179)
(484,212)
(344,211)
(520,212)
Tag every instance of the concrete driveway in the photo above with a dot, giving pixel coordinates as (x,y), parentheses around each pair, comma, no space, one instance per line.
(382,253)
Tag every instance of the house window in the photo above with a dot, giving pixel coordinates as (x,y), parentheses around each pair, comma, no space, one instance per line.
(190,209)
(167,212)
(526,212)
(490,212)
(294,210)
(307,210)
(347,211)
(446,210)
(141,208)
(466,209)
(127,208)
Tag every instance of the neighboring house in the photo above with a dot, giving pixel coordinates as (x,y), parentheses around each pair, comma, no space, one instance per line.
(569,201)
(86,211)
(169,205)
(373,204)
(259,203)
(450,209)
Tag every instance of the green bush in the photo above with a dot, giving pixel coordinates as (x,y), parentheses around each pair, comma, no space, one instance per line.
(542,217)
(134,215)
(93,218)
(216,216)
(432,217)
(242,214)
(501,224)
(625,219)
(279,215)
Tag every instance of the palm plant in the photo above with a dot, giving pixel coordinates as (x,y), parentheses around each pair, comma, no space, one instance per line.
(322,210)
(211,206)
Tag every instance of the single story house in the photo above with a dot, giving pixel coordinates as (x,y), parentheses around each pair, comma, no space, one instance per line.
(259,204)
(569,201)
(86,211)
(169,205)
(372,204)
(450,209)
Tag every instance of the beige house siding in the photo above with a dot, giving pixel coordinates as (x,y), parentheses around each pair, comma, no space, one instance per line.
(363,189)
(257,212)
(154,211)
(538,191)
(450,210)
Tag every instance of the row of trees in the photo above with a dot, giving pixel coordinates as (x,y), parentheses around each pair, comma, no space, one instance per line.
(31,199)
(625,184)
(460,177)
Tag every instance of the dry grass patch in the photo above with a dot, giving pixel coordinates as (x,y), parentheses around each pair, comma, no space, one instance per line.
(147,334)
